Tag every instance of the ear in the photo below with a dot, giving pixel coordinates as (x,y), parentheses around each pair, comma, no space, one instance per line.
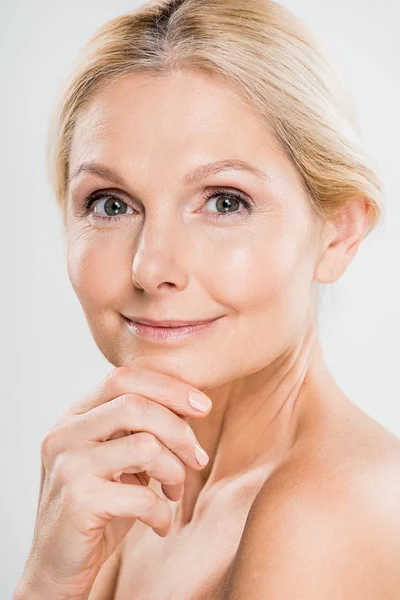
(342,236)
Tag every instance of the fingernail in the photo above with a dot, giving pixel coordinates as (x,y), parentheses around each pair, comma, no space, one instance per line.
(201,456)
(200,401)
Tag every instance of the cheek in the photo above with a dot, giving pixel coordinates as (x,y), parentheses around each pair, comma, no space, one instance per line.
(267,283)
(95,269)
(266,271)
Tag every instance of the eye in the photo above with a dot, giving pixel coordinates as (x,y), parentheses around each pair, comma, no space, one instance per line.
(226,200)
(113,204)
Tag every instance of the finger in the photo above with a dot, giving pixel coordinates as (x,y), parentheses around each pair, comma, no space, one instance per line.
(173,492)
(108,500)
(160,387)
(133,414)
(137,453)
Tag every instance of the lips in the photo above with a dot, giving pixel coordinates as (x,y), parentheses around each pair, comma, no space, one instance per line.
(169,323)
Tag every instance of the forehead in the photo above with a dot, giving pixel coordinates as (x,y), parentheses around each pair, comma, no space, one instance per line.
(144,116)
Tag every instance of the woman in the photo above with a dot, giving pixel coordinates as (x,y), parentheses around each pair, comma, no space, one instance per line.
(208,168)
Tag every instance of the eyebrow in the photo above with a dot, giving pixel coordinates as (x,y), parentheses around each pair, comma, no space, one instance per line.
(196,175)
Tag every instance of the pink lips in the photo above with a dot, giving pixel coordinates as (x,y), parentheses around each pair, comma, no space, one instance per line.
(167,333)
(169,323)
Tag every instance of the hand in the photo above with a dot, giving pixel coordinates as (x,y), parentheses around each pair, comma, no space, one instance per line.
(128,426)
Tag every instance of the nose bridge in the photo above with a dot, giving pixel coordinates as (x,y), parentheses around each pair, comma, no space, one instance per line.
(162,249)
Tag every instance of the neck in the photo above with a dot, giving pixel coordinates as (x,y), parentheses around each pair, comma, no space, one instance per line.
(255,420)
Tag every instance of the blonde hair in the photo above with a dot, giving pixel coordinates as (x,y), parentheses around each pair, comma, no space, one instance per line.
(270,58)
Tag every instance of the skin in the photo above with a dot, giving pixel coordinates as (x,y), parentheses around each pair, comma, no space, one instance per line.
(169,257)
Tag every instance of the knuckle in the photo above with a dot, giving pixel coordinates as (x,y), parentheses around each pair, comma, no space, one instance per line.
(170,389)
(50,444)
(115,376)
(146,499)
(76,494)
(115,373)
(123,403)
(65,468)
(147,445)
(118,403)
(135,404)
(175,394)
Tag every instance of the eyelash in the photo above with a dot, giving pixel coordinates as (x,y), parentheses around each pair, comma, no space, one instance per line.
(92,198)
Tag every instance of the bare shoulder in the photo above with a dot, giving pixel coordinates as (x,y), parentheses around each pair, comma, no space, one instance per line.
(329,516)
(344,449)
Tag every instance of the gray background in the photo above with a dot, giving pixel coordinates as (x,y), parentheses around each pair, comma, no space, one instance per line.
(49,358)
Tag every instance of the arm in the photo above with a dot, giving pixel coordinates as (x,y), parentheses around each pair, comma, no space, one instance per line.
(309,543)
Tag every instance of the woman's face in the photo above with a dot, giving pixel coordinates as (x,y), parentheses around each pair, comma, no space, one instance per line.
(155,246)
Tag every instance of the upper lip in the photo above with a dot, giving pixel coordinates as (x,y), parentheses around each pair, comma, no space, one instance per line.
(168,323)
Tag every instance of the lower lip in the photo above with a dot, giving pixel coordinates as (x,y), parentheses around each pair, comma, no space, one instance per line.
(160,334)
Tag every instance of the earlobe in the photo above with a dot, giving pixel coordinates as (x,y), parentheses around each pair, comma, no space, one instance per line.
(341,239)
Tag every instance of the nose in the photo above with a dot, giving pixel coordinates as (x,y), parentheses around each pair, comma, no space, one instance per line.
(162,258)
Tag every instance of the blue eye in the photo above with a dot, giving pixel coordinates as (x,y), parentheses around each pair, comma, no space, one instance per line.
(113,203)
(229,198)
(226,199)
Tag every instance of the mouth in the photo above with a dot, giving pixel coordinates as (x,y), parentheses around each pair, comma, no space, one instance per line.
(169,323)
(168,333)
